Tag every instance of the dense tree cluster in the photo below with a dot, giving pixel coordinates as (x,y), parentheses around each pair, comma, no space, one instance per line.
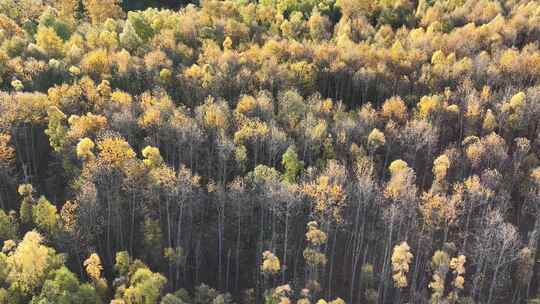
(273,151)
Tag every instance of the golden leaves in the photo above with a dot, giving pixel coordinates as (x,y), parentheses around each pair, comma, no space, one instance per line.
(97,62)
(304,74)
(281,294)
(475,188)
(515,111)
(397,166)
(315,236)
(93,266)
(401,258)
(100,10)
(150,117)
(252,129)
(271,264)
(24,107)
(429,105)
(438,57)
(437,285)
(474,152)
(144,285)
(535,175)
(283,290)
(319,132)
(215,115)
(56,130)
(517,101)
(490,149)
(227,43)
(401,186)
(490,122)
(152,156)
(49,41)
(121,98)
(397,52)
(395,109)
(437,210)
(84,149)
(28,263)
(247,104)
(376,139)
(440,167)
(439,259)
(459,281)
(439,263)
(68,214)
(328,196)
(9,26)
(65,96)
(115,151)
(8,246)
(337,301)
(25,190)
(7,152)
(457,265)
(67,9)
(163,177)
(314,257)
(157,110)
(509,61)
(328,192)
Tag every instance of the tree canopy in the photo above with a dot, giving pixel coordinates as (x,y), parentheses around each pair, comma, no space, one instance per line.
(273,151)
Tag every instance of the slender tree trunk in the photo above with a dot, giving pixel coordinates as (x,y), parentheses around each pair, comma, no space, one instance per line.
(332,254)
(221,219)
(237,265)
(354,254)
(384,281)
(286,241)
(494,279)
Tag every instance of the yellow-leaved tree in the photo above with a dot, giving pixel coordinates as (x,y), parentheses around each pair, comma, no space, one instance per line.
(401,259)
(115,151)
(152,157)
(315,259)
(93,266)
(30,262)
(49,42)
(101,10)
(84,149)
(271,264)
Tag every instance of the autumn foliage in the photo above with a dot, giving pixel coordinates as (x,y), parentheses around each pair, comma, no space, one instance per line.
(272,151)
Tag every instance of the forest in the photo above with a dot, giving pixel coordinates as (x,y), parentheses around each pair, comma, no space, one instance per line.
(269,151)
